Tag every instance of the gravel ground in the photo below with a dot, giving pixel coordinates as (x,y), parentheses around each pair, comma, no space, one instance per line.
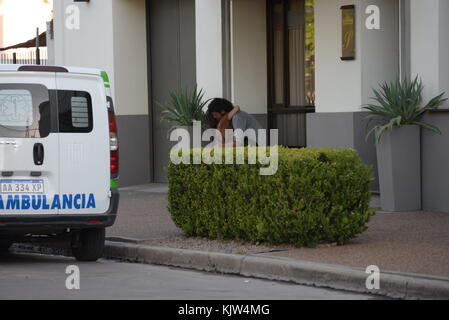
(224,246)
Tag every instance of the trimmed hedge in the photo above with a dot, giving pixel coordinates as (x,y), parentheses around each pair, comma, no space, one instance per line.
(316,196)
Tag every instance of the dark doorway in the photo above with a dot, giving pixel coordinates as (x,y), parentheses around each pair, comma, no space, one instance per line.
(291,68)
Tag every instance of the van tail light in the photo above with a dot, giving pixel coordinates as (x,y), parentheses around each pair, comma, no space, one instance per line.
(113,142)
(94,221)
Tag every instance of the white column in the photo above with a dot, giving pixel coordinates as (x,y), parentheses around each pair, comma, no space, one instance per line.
(209,54)
(338,83)
(80,46)
(249,55)
(130,57)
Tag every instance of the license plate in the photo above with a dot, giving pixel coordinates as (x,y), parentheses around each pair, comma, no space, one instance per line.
(22,186)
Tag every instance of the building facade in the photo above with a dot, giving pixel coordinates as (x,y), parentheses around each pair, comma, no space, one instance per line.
(280,60)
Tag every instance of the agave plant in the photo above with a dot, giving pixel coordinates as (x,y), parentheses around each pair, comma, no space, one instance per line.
(185,107)
(400,103)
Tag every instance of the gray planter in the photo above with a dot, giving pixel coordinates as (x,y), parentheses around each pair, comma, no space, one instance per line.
(399,163)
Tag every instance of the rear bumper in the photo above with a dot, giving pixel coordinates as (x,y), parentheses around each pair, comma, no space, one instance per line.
(43,224)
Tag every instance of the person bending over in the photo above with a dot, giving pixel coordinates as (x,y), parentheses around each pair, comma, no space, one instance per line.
(222,113)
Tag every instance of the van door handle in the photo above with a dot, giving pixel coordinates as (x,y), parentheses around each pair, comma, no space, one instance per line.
(38,153)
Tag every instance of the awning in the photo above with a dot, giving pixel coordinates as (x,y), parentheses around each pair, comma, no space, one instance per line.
(30,43)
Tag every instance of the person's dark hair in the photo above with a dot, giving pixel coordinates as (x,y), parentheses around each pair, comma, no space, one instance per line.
(213,123)
(217,105)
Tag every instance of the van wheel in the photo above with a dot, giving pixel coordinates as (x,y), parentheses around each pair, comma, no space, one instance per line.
(5,245)
(89,245)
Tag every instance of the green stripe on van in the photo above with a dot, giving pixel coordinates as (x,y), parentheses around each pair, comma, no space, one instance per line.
(105,77)
(114,183)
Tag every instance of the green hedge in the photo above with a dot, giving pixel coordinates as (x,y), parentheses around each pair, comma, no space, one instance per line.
(316,196)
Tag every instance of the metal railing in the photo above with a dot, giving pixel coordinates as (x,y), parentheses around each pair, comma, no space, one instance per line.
(24,56)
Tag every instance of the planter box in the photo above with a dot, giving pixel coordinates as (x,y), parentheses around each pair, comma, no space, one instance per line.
(399,162)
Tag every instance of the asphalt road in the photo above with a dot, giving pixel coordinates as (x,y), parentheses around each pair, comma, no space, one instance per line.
(30,276)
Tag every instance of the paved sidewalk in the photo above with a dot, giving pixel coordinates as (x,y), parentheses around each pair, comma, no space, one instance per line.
(409,242)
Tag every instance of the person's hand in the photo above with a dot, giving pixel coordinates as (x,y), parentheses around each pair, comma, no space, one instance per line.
(233,112)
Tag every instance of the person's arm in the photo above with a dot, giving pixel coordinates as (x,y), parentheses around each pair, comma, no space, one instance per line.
(239,124)
(233,112)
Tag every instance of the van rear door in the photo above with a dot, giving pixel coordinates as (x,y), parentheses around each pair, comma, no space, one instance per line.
(84,144)
(29,144)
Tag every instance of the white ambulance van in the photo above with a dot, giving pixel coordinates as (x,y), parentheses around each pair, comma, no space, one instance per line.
(58,157)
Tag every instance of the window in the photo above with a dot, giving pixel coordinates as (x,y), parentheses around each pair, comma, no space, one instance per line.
(291,53)
(25,111)
(291,68)
(75,111)
(80,112)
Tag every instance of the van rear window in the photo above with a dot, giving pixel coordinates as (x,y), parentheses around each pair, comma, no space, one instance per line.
(75,111)
(25,111)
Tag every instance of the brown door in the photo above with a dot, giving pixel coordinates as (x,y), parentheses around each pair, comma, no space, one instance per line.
(291,51)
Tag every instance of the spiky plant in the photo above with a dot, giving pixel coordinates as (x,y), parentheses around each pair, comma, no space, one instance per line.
(400,103)
(185,106)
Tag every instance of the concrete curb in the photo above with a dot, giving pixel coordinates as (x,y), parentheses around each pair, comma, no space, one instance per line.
(393,285)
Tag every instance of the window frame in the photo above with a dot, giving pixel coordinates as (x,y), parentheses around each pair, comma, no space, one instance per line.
(272,105)
(79,93)
(53,128)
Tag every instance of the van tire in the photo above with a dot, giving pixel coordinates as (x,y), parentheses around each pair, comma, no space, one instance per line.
(4,246)
(90,245)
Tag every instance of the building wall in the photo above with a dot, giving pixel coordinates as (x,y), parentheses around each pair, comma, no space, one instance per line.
(91,45)
(444,47)
(337,122)
(249,56)
(338,83)
(244,51)
(425,35)
(430,45)
(112,37)
(429,52)
(209,51)
(173,67)
(131,89)
(343,87)
(130,57)
(379,48)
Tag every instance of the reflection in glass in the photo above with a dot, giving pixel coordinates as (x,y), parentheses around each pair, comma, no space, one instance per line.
(293,53)
(310,53)
(278,52)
